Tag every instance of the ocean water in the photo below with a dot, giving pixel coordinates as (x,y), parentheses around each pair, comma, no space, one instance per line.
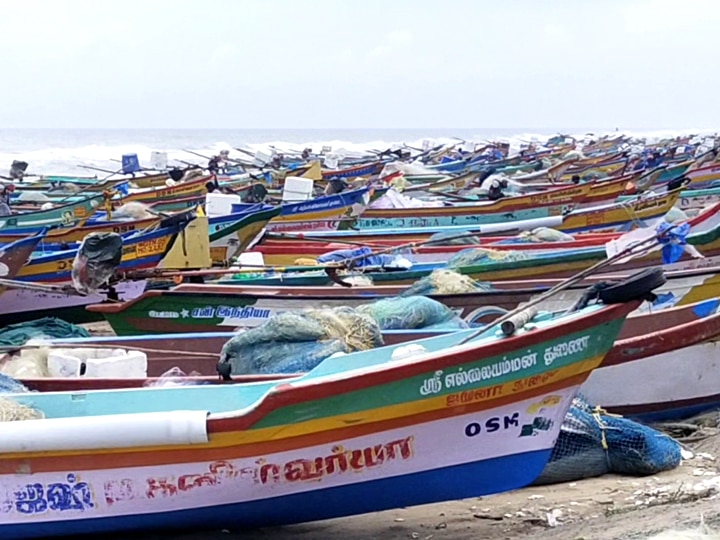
(51,151)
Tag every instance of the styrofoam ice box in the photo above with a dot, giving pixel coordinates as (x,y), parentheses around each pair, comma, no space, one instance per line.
(297,189)
(220,204)
(99,363)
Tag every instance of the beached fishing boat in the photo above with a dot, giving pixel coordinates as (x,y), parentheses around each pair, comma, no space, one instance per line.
(15,255)
(194,187)
(325,213)
(212,308)
(284,249)
(65,215)
(356,171)
(674,360)
(161,248)
(360,433)
(69,235)
(640,212)
(481,264)
(539,205)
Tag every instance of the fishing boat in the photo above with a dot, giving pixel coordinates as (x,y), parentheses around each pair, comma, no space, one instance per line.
(161,248)
(480,264)
(73,234)
(545,204)
(360,433)
(673,357)
(194,308)
(64,215)
(639,212)
(284,249)
(15,255)
(322,214)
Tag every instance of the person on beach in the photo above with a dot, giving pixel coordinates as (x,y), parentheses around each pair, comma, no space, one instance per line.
(217,163)
(5,194)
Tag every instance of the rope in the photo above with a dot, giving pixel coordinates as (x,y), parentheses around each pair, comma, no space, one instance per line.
(13,349)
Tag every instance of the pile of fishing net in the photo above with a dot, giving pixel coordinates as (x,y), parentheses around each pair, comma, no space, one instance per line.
(593,443)
(47,327)
(297,341)
(478,256)
(443,281)
(11,410)
(411,313)
(131,211)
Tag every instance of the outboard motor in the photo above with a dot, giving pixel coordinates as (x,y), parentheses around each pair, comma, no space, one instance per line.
(17,169)
(335,186)
(176,174)
(256,194)
(96,261)
(495,190)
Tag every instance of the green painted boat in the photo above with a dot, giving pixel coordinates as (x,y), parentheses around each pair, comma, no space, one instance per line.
(64,216)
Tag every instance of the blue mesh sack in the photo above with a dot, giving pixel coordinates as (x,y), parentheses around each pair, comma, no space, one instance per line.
(593,443)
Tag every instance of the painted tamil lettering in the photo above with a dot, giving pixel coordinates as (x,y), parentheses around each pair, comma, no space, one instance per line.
(230,312)
(462,377)
(40,498)
(339,461)
(565,349)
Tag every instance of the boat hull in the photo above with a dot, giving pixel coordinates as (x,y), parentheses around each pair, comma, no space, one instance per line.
(376,436)
(674,385)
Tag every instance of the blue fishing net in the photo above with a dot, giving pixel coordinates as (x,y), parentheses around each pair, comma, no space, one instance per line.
(592,443)
(297,341)
(8,385)
(412,312)
(21,333)
(477,256)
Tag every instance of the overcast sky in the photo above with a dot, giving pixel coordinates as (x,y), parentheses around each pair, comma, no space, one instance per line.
(359,63)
